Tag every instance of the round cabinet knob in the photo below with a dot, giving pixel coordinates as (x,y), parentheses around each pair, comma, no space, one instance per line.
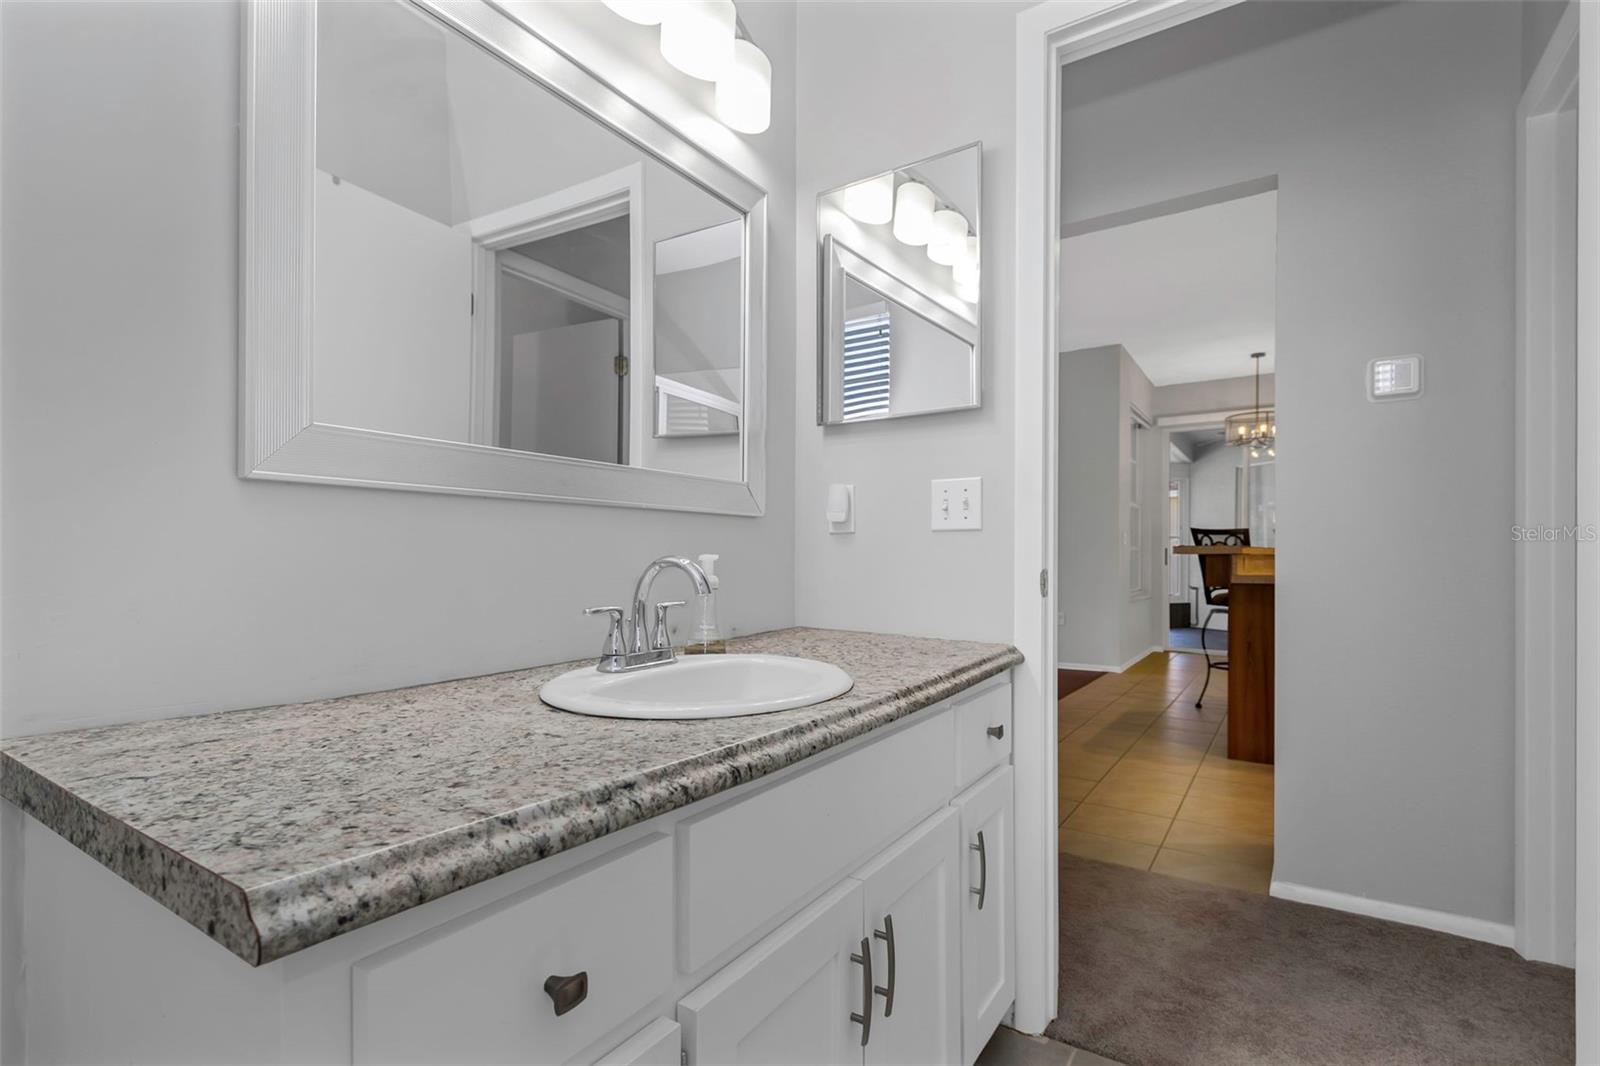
(997,731)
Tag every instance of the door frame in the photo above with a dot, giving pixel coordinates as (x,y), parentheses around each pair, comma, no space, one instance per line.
(1545,465)
(595,200)
(1049,35)
(1588,511)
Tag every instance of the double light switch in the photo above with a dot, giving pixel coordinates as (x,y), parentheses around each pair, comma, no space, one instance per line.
(957,503)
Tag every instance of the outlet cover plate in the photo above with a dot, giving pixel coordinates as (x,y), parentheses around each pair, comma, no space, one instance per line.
(957,503)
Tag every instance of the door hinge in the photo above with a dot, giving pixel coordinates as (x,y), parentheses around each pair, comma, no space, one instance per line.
(1044,582)
(620,365)
(683,1057)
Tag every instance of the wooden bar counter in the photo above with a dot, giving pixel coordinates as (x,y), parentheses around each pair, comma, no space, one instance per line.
(1251,580)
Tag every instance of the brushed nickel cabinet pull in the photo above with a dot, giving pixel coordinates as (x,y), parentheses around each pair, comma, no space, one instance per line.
(886,934)
(997,731)
(983,870)
(864,1019)
(567,992)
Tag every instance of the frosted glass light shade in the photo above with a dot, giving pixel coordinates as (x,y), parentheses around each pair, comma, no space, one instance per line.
(870,201)
(913,214)
(697,36)
(948,240)
(965,268)
(744,92)
(644,12)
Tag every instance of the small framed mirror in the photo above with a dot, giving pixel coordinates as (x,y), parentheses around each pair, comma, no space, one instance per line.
(472,267)
(901,291)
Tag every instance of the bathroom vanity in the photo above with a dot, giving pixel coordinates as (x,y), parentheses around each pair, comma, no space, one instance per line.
(458,873)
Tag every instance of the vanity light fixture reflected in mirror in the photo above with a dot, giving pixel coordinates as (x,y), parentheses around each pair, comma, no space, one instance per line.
(706,39)
(697,37)
(870,201)
(913,213)
(948,239)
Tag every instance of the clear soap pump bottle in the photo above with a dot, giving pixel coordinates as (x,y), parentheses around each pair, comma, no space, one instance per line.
(706,638)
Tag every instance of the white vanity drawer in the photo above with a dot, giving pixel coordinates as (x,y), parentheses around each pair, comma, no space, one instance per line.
(743,864)
(983,732)
(474,990)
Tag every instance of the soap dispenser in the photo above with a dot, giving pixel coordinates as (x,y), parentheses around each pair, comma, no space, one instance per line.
(706,638)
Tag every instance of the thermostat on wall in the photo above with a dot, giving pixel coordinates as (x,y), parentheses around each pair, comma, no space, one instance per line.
(1399,378)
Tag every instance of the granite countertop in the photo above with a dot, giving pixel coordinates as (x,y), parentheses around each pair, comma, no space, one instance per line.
(274,829)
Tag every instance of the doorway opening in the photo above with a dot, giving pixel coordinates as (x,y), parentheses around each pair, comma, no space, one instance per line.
(1349,246)
(1161,309)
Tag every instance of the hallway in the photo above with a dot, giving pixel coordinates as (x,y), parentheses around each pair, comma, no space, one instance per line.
(1145,780)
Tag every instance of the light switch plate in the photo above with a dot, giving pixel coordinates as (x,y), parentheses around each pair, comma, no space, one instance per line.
(957,503)
(845,494)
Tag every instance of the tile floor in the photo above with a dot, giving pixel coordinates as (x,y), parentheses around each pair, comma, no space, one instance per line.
(1011,1048)
(1146,780)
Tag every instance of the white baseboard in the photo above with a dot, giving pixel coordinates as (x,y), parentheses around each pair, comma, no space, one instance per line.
(1439,921)
(1110,669)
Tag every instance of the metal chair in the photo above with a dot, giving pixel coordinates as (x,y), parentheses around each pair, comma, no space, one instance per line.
(1213,579)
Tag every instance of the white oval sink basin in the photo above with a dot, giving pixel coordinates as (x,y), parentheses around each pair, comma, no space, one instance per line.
(699,686)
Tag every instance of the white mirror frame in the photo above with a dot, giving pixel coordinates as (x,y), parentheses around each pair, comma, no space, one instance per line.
(279,441)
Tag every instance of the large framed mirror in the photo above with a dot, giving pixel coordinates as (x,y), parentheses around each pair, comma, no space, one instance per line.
(472,267)
(900,321)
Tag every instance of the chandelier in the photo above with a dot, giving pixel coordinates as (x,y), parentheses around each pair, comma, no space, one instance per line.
(1256,429)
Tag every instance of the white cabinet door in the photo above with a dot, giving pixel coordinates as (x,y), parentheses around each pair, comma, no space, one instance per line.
(914,918)
(988,960)
(789,999)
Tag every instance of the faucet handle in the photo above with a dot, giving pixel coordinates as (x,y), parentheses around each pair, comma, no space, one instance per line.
(614,645)
(660,638)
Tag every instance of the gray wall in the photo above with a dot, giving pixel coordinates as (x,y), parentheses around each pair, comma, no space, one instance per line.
(1213,488)
(867,106)
(1539,19)
(1390,130)
(142,577)
(1142,625)
(1101,623)
(1088,533)
(1205,397)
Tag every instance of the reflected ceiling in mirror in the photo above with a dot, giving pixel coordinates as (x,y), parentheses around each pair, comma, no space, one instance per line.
(901,291)
(489,262)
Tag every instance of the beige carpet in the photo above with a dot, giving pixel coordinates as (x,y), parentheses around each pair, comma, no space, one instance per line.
(1156,971)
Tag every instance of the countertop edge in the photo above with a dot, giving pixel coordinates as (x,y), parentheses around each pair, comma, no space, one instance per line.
(381,884)
(267,922)
(200,896)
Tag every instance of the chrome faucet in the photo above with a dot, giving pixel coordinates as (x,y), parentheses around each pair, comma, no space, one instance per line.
(641,645)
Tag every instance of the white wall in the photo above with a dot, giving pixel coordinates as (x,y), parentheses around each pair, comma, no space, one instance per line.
(1390,130)
(930,367)
(142,577)
(391,333)
(894,574)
